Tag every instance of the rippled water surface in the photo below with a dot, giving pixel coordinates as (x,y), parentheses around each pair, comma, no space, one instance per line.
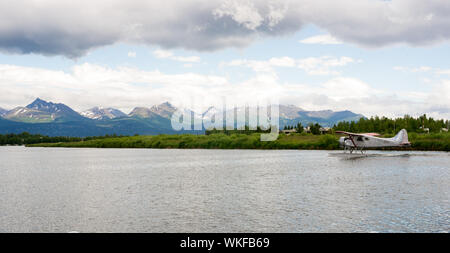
(148,190)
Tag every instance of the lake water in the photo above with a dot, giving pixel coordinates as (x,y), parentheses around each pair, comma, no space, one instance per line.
(150,190)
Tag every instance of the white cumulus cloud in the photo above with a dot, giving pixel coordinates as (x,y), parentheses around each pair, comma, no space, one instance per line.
(87,85)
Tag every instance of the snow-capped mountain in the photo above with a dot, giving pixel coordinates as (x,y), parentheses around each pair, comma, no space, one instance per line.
(42,111)
(56,108)
(103,113)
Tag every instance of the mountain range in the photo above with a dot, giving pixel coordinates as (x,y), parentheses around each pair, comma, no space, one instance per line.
(57,119)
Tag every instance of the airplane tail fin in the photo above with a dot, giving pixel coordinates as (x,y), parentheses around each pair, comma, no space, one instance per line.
(402,137)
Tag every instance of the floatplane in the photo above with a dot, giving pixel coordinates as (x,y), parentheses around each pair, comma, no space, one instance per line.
(354,142)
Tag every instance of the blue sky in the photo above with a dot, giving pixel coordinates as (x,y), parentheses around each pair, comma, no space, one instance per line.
(248,50)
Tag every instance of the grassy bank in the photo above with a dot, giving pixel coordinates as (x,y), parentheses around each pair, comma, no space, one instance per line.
(213,141)
(436,142)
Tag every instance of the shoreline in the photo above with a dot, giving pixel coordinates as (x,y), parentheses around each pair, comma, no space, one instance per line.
(387,150)
(244,142)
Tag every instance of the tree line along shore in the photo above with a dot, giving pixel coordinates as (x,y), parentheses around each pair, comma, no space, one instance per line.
(424,134)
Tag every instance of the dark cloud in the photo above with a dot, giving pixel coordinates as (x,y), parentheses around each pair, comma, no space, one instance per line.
(72,28)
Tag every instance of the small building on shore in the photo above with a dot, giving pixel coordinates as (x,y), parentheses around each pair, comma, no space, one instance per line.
(325,130)
(307,129)
(289,131)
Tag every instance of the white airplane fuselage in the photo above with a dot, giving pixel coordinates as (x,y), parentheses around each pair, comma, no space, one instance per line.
(368,141)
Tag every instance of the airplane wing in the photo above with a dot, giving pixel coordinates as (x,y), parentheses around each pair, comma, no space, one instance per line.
(348,133)
(372,134)
(355,134)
